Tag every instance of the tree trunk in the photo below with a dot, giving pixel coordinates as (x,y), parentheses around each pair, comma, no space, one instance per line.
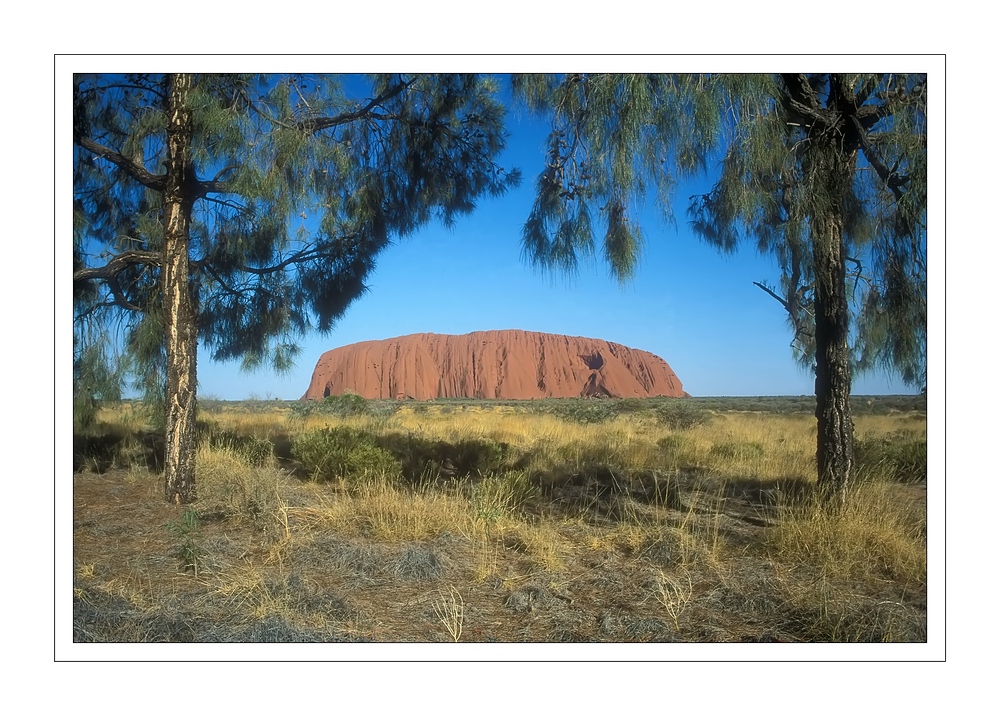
(831,171)
(179,315)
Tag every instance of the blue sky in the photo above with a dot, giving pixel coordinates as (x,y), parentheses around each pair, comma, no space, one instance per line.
(692,306)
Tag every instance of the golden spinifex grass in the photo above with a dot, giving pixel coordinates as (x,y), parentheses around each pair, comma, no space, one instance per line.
(759,445)
(880,534)
(553,542)
(227,480)
(383,510)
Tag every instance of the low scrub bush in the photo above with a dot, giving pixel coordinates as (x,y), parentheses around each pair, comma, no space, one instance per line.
(345,406)
(342,452)
(580,455)
(478,456)
(629,405)
(900,456)
(584,412)
(230,482)
(681,415)
(672,444)
(420,457)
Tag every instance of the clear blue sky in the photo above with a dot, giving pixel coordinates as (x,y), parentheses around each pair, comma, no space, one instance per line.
(693,307)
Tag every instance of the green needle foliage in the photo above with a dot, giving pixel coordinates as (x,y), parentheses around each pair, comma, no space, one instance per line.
(287,189)
(826,173)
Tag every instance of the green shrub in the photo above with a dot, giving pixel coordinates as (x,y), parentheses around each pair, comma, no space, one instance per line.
(587,412)
(629,405)
(580,455)
(672,444)
(346,404)
(189,531)
(900,456)
(681,415)
(482,456)
(342,452)
(420,457)
(343,406)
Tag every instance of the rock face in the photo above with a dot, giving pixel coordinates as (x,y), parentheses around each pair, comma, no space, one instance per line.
(510,364)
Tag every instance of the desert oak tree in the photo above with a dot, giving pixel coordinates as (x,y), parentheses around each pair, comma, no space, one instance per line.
(825,172)
(242,211)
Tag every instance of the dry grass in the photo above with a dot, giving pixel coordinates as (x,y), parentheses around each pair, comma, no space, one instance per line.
(876,536)
(559,547)
(674,594)
(450,610)
(380,509)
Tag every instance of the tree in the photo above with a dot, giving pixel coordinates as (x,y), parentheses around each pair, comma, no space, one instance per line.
(243,211)
(825,172)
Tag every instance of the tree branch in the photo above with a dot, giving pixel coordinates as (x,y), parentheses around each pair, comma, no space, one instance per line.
(226,287)
(119,85)
(798,323)
(871,114)
(313,125)
(305,254)
(801,99)
(119,263)
(228,204)
(153,181)
(299,256)
(96,307)
(772,294)
(894,181)
(865,91)
(317,124)
(119,295)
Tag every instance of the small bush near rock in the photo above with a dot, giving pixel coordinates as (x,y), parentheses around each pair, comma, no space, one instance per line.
(342,452)
(681,415)
(420,457)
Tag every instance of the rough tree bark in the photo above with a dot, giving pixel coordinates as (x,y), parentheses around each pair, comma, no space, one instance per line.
(179,314)
(832,169)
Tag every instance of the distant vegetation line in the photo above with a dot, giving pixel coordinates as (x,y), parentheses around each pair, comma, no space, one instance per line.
(870,404)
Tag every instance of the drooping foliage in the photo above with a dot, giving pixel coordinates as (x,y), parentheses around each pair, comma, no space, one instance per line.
(617,139)
(768,192)
(614,139)
(826,173)
(299,182)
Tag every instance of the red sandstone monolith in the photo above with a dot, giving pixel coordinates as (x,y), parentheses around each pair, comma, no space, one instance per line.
(510,364)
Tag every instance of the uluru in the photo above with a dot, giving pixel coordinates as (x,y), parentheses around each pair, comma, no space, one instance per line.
(508,364)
